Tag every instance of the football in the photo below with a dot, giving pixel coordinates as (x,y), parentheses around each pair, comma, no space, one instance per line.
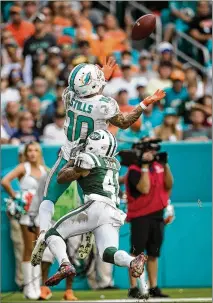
(143,27)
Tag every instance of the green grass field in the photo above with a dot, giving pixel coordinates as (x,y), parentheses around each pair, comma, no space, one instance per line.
(114,294)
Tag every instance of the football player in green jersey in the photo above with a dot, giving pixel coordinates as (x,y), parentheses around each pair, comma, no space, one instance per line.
(96,170)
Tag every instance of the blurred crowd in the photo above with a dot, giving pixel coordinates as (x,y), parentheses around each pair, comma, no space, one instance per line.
(43,40)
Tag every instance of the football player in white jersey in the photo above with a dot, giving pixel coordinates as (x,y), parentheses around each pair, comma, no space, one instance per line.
(86,111)
(96,169)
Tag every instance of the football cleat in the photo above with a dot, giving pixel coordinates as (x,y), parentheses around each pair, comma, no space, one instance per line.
(86,245)
(137,265)
(69,295)
(38,250)
(46,293)
(65,270)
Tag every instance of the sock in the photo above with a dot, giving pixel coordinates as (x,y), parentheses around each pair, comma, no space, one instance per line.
(36,273)
(143,284)
(122,258)
(46,211)
(29,290)
(58,248)
(27,272)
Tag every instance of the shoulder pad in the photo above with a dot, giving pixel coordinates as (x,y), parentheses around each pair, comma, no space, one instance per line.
(108,107)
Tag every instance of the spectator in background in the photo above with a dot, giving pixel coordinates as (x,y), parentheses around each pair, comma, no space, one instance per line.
(6,37)
(165,50)
(57,106)
(54,66)
(15,78)
(81,23)
(54,132)
(178,93)
(8,93)
(40,41)
(145,66)
(163,80)
(169,130)
(185,107)
(34,107)
(114,32)
(95,15)
(62,17)
(48,22)
(152,117)
(85,50)
(132,134)
(24,91)
(11,57)
(55,7)
(197,132)
(179,15)
(126,56)
(10,120)
(30,8)
(125,82)
(64,75)
(141,89)
(25,132)
(201,24)
(40,90)
(192,78)
(205,104)
(102,45)
(66,52)
(19,28)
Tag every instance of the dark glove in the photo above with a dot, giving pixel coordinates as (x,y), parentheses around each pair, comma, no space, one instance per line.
(162,158)
(32,226)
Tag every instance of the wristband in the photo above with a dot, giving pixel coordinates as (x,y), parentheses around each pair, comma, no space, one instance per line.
(143,105)
(145,170)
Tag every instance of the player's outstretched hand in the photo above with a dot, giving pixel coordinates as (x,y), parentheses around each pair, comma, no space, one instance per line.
(108,67)
(158,95)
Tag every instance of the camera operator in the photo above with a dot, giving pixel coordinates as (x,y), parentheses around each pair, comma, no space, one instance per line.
(148,185)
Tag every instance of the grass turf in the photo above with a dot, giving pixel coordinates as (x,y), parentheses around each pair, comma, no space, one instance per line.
(113,294)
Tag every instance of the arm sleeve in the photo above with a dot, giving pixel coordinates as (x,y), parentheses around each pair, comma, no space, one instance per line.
(25,49)
(84,161)
(193,24)
(67,97)
(134,177)
(109,107)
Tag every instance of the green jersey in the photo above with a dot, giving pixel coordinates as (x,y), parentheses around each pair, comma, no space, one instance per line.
(103,178)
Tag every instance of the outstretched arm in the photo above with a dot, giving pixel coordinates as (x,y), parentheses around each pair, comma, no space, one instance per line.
(124,122)
(71,173)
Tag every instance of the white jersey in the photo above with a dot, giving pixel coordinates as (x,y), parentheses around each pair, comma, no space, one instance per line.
(85,115)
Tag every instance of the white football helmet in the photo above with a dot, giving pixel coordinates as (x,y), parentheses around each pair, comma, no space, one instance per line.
(86,79)
(101,143)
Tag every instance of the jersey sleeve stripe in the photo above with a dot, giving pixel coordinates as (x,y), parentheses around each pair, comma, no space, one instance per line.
(115,145)
(94,158)
(73,75)
(110,142)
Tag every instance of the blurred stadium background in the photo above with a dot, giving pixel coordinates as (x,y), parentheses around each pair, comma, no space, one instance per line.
(34,74)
